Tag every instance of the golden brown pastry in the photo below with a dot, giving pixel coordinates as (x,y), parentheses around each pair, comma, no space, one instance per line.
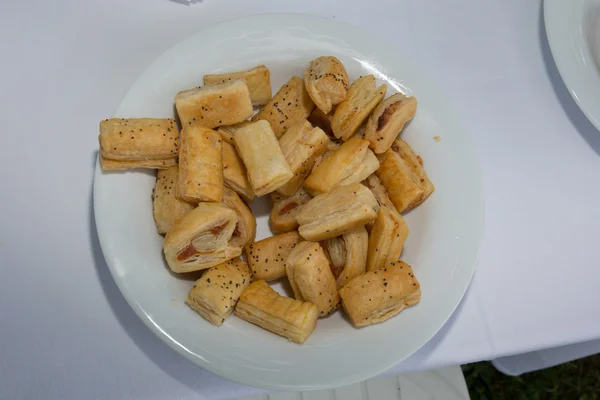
(200,165)
(235,175)
(379,295)
(369,165)
(258,80)
(262,156)
(326,82)
(262,306)
(290,105)
(301,144)
(276,197)
(119,165)
(319,119)
(387,238)
(245,230)
(355,245)
(415,163)
(335,251)
(214,105)
(363,97)
(227,132)
(403,176)
(283,214)
(336,212)
(215,294)
(266,257)
(200,239)
(167,209)
(337,166)
(379,191)
(310,277)
(138,139)
(387,121)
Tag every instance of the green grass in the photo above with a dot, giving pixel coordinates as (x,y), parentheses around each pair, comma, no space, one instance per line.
(578,380)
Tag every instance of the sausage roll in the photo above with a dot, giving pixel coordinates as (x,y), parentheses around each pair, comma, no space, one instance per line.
(263,306)
(354,245)
(283,214)
(310,277)
(167,209)
(369,165)
(403,176)
(379,295)
(301,144)
(227,132)
(319,119)
(363,97)
(245,230)
(266,257)
(336,167)
(388,120)
(258,80)
(214,105)
(387,238)
(215,294)
(290,105)
(415,163)
(138,139)
(200,165)
(262,156)
(234,172)
(118,165)
(336,212)
(326,82)
(200,239)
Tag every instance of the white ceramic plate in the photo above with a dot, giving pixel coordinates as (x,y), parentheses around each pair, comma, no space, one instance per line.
(573,29)
(445,230)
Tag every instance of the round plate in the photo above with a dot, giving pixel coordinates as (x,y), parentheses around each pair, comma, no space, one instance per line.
(442,247)
(573,30)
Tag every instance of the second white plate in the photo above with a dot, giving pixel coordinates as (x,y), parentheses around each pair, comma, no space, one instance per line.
(442,246)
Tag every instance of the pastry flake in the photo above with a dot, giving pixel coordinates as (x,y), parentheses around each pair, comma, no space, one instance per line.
(326,82)
(258,147)
(214,105)
(167,209)
(301,144)
(215,295)
(262,306)
(336,212)
(258,80)
(200,165)
(266,257)
(138,139)
(290,105)
(310,277)
(380,294)
(363,97)
(387,121)
(200,239)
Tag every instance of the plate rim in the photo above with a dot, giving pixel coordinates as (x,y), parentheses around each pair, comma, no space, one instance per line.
(570,68)
(478,203)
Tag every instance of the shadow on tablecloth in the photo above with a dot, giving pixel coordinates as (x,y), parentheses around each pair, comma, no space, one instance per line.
(192,376)
(576,116)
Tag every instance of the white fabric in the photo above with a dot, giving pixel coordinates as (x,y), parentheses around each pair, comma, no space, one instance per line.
(67,333)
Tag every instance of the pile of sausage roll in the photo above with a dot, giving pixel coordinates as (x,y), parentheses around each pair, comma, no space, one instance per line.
(329,155)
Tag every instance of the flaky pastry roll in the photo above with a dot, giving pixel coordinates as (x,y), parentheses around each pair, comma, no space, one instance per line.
(167,209)
(215,295)
(258,80)
(266,257)
(387,238)
(283,214)
(262,306)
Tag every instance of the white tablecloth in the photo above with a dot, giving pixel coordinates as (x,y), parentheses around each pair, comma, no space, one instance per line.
(65,330)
